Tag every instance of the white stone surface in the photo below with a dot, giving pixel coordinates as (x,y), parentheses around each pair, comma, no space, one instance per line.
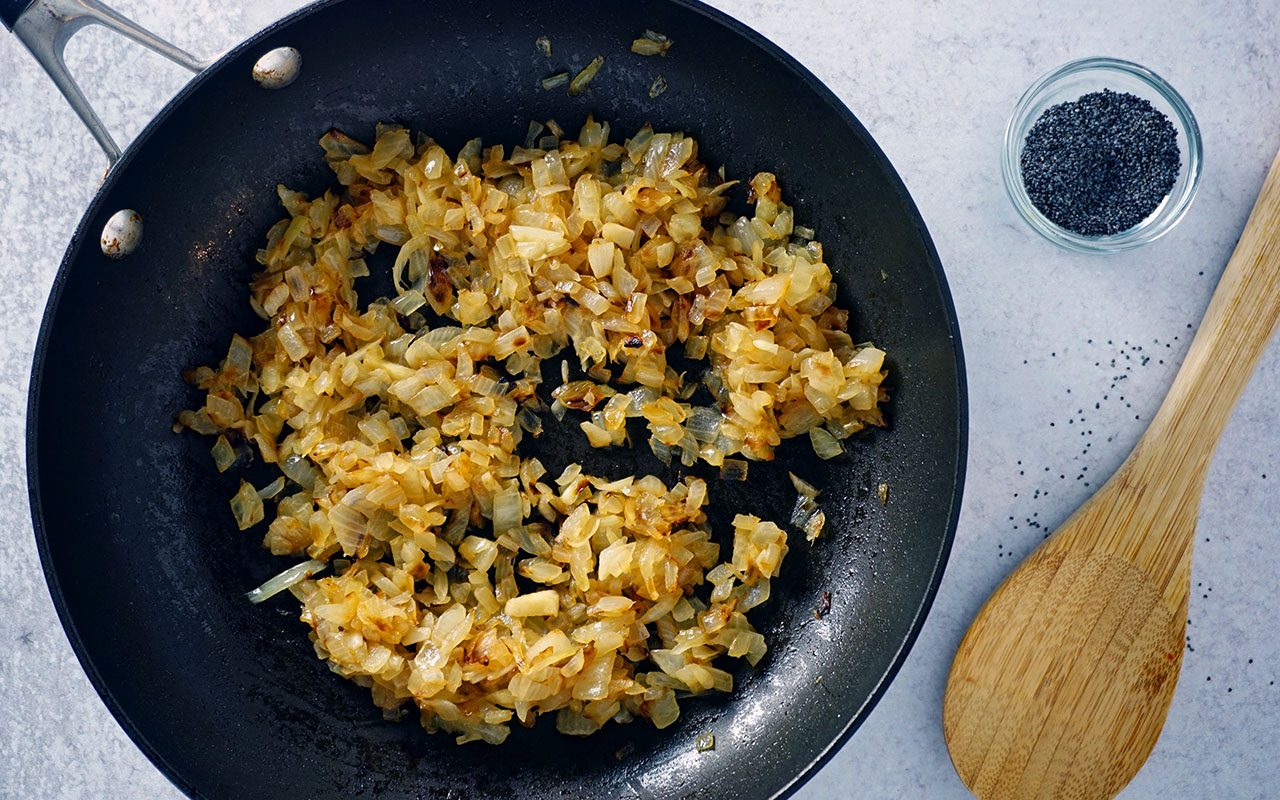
(933,80)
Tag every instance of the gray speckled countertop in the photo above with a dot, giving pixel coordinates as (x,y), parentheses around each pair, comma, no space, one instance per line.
(1068,355)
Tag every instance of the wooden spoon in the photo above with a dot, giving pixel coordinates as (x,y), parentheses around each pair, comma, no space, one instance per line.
(1063,681)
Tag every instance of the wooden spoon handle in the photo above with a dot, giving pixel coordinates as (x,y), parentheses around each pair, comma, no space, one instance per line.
(1233,334)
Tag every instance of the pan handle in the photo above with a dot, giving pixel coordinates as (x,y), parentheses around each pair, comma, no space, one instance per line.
(45,26)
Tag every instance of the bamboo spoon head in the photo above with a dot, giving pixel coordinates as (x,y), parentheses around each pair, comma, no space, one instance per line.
(1061,686)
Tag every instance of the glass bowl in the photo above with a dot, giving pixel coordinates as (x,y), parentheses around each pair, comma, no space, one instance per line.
(1067,83)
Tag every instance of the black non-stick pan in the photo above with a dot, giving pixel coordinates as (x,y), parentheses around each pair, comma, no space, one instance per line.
(143,560)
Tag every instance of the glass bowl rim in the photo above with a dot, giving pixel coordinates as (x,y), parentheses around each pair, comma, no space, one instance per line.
(1142,233)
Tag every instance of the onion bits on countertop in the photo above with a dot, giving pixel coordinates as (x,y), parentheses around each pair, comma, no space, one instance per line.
(465,581)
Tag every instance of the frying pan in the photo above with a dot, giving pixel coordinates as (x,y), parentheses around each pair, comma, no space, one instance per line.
(142,559)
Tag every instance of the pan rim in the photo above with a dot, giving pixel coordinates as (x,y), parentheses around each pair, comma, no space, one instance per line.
(793,66)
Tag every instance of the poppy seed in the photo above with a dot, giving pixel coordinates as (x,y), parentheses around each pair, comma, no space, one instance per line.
(1101,164)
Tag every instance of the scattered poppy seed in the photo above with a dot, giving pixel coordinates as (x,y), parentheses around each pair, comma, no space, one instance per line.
(1101,164)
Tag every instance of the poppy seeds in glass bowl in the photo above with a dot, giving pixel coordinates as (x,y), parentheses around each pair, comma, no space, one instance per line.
(1101,164)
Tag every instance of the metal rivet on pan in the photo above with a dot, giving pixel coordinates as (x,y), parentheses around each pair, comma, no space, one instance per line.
(278,68)
(122,234)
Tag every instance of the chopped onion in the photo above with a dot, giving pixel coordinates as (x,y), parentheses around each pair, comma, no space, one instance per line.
(813,526)
(239,355)
(410,437)
(531,541)
(511,184)
(409,302)
(641,396)
(824,444)
(545,603)
(290,577)
(439,337)
(291,342)
(664,710)
(807,516)
(555,81)
(224,455)
(656,680)
(391,234)
(580,81)
(470,154)
(485,385)
(544,571)
(198,421)
(301,471)
(350,527)
(668,661)
(397,346)
(456,528)
(756,594)
(544,46)
(696,348)
(246,506)
(704,423)
(508,510)
(339,147)
(662,451)
(272,489)
(531,136)
(571,723)
(646,47)
(530,421)
(480,553)
(805,488)
(801,511)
